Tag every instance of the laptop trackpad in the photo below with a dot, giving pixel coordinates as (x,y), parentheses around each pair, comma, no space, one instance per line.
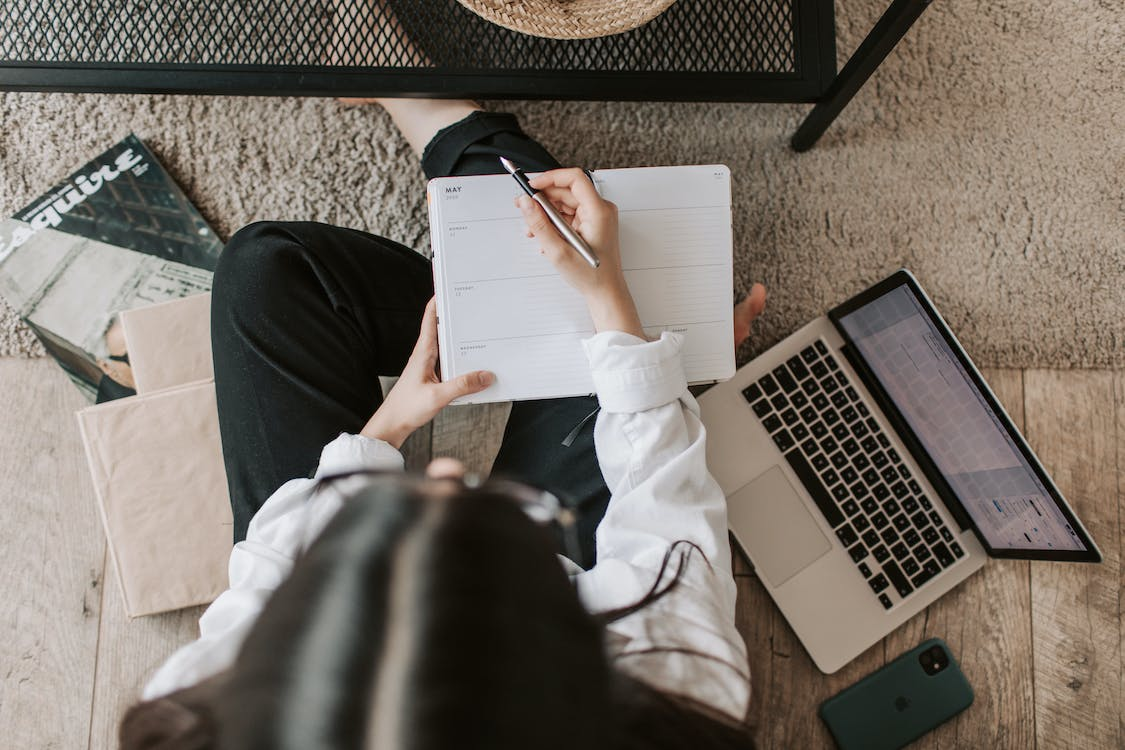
(779,533)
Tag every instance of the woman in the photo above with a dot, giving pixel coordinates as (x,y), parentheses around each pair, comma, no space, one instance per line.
(388,611)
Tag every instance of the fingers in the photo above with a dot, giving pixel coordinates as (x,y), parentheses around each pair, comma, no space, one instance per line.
(573,178)
(554,246)
(463,385)
(427,334)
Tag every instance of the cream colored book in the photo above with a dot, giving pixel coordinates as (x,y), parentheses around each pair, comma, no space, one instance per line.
(502,306)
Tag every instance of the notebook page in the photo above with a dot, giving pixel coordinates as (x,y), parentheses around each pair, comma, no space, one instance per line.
(503,307)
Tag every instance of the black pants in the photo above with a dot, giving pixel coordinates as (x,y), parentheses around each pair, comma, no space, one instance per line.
(306,316)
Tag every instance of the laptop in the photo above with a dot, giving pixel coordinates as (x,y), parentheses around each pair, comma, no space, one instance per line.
(869,469)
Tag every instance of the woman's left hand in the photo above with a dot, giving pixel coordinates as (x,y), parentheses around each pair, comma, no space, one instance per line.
(420,394)
(745,311)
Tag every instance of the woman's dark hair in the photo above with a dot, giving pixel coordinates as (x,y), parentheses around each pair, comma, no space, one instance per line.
(417,622)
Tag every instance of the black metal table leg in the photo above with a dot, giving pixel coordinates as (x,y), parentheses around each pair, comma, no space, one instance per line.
(891,27)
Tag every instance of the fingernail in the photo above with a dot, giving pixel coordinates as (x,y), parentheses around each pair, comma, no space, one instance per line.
(486,378)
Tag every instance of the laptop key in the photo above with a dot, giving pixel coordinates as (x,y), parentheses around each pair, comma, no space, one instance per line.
(902,586)
(869,444)
(840,492)
(904,472)
(889,536)
(789,417)
(901,522)
(879,583)
(943,555)
(810,447)
(935,518)
(810,387)
(829,385)
(893,455)
(910,567)
(832,364)
(955,548)
(808,354)
(910,505)
(797,367)
(840,432)
(911,537)
(859,490)
(865,412)
(839,400)
(884,440)
(920,520)
(779,401)
(850,447)
(819,370)
(820,401)
(839,460)
(752,393)
(848,414)
(891,507)
(914,487)
(762,408)
(798,399)
(885,601)
(800,432)
(869,506)
(851,507)
(783,440)
(929,570)
(880,553)
(931,535)
(946,534)
(815,488)
(890,476)
(879,521)
(865,569)
(858,552)
(830,417)
(830,477)
(879,459)
(848,474)
(820,461)
(881,491)
(846,535)
(821,346)
(852,395)
(861,523)
(859,429)
(922,553)
(819,430)
(808,414)
(784,379)
(768,385)
(841,378)
(900,551)
(772,423)
(860,462)
(870,538)
(899,490)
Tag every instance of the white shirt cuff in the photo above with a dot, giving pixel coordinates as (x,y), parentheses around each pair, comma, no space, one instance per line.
(633,375)
(356,452)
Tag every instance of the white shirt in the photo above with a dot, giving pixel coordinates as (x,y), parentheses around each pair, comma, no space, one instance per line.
(650,445)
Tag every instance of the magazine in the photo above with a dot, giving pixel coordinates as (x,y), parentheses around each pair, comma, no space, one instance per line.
(115,235)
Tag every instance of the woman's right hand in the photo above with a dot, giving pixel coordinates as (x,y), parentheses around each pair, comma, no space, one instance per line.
(607,296)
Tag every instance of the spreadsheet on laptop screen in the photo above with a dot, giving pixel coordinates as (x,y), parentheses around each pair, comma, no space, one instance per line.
(954,422)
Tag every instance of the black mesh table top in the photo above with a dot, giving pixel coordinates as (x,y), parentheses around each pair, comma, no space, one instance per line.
(736,50)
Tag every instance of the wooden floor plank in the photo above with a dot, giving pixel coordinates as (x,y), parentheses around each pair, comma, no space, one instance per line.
(986,621)
(53,558)
(1076,618)
(470,433)
(128,652)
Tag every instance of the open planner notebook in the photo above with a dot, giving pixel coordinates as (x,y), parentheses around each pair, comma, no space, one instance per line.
(502,306)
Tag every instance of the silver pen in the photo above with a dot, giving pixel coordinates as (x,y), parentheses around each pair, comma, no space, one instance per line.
(573,238)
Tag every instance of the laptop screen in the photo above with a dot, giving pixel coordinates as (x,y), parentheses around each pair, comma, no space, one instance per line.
(956,425)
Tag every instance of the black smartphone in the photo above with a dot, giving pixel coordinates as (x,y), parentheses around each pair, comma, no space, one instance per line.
(902,701)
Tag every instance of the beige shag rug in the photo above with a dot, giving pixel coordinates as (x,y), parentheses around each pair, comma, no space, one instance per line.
(986,155)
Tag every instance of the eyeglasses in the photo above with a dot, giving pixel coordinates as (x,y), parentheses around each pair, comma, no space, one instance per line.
(541,506)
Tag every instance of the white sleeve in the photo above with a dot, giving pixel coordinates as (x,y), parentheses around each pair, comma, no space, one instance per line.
(283,527)
(651,447)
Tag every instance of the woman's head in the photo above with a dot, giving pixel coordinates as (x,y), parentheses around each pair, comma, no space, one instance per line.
(426,615)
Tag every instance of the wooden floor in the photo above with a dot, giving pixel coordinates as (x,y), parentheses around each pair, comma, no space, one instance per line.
(1041,643)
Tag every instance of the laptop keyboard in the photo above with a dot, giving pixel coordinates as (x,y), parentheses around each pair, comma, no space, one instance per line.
(856,478)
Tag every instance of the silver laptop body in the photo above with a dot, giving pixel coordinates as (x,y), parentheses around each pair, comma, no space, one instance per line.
(827,496)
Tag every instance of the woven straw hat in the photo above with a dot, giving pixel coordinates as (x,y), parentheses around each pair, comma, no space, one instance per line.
(568,19)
